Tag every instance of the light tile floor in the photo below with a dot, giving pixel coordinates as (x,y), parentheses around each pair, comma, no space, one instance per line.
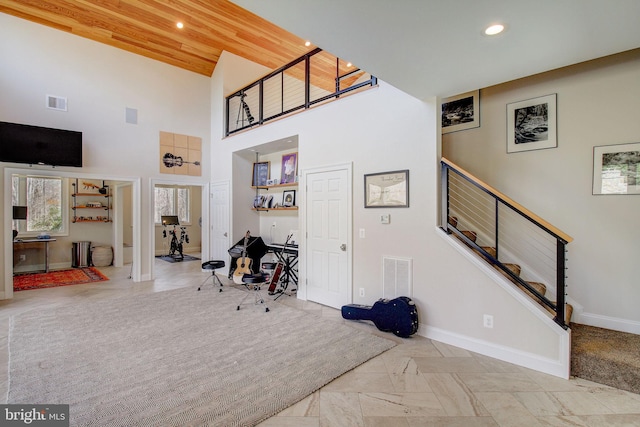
(419,382)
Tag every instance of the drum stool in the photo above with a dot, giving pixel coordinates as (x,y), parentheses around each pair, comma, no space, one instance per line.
(253,282)
(213,266)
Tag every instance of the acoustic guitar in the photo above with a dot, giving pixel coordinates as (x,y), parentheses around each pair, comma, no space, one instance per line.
(398,315)
(243,264)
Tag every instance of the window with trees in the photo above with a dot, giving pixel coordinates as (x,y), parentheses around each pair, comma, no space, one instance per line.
(45,198)
(172,201)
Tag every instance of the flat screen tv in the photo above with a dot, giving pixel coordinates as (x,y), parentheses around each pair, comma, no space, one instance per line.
(36,145)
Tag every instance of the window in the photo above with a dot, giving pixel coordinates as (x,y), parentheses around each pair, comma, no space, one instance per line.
(45,198)
(172,201)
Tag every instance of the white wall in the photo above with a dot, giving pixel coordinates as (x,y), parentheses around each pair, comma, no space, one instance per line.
(597,105)
(100,82)
(380,130)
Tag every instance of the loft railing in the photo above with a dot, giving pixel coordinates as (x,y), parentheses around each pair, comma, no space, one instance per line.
(310,80)
(505,232)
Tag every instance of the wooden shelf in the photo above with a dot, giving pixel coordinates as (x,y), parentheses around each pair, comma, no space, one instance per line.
(90,195)
(90,207)
(90,220)
(292,208)
(267,187)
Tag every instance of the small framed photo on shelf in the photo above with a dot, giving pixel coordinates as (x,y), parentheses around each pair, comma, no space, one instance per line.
(531,124)
(260,174)
(289,168)
(289,198)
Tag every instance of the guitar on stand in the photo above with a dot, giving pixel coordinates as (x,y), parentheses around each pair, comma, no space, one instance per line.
(275,277)
(243,264)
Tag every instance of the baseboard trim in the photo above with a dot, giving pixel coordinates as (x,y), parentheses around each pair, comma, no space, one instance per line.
(559,368)
(607,322)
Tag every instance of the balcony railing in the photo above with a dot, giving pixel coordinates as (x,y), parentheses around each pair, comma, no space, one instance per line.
(310,80)
(505,233)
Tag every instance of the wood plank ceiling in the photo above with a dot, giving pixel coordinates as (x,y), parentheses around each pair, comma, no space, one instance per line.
(148,28)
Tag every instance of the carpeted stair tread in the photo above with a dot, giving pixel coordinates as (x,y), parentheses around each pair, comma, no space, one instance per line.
(606,357)
(541,288)
(471,235)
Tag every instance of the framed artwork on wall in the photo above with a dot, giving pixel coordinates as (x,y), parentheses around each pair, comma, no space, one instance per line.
(289,168)
(616,169)
(387,189)
(532,124)
(260,174)
(461,112)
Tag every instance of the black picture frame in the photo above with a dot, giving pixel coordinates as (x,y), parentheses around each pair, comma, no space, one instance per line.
(289,198)
(261,171)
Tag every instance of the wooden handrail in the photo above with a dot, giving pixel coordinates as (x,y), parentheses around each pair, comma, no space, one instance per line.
(559,233)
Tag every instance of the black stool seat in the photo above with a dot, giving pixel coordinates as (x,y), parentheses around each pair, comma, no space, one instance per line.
(212,265)
(253,278)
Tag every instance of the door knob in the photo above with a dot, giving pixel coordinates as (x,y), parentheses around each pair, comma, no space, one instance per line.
(225,234)
(343,247)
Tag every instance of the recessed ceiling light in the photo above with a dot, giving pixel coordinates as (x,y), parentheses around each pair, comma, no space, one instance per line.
(307,43)
(494,29)
(180,25)
(349,64)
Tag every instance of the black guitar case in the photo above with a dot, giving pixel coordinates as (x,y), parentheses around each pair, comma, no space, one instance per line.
(398,315)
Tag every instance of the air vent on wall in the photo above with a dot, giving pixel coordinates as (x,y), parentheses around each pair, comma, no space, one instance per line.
(396,277)
(56,103)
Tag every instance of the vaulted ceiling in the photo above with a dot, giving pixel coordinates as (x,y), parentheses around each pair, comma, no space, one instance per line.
(148,28)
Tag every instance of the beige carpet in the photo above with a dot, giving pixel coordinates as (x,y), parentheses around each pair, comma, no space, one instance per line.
(178,358)
(606,357)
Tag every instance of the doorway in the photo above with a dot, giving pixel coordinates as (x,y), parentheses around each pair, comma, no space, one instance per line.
(7,291)
(190,203)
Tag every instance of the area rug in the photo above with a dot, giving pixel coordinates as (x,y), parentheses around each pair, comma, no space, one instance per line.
(178,358)
(169,258)
(73,276)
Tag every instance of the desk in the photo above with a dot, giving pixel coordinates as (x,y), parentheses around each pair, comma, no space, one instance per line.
(289,258)
(46,248)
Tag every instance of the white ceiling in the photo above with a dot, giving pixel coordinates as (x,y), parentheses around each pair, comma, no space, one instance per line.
(437,48)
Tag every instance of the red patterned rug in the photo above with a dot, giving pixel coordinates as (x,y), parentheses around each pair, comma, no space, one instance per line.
(74,276)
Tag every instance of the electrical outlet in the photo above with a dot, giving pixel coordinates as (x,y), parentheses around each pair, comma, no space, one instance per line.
(362,233)
(23,257)
(488,321)
(361,292)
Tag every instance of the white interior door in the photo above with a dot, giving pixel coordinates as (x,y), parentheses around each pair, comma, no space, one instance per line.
(328,241)
(219,220)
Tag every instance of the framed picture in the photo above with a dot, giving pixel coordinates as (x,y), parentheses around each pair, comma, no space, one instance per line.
(531,124)
(387,189)
(289,168)
(616,169)
(289,198)
(461,112)
(260,174)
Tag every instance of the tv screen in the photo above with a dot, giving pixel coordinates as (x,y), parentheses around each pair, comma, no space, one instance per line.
(39,145)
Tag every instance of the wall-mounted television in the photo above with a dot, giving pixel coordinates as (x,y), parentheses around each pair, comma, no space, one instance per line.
(37,145)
